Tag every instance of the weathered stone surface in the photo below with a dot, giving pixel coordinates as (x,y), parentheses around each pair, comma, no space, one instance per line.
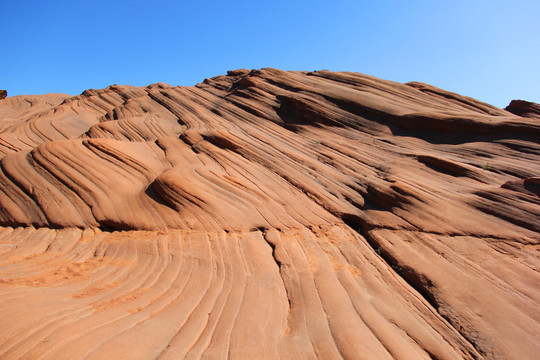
(524,108)
(268,214)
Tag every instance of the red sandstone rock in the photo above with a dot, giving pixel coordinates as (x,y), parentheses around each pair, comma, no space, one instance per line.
(268,214)
(524,108)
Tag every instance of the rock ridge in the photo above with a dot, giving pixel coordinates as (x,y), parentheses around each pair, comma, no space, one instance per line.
(269,214)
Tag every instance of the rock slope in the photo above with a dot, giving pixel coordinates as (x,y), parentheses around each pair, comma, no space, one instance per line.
(269,215)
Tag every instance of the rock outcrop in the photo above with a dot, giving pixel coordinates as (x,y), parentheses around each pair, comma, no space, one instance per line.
(269,214)
(524,108)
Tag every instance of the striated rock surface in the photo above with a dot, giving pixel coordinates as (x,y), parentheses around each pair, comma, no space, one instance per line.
(268,214)
(524,108)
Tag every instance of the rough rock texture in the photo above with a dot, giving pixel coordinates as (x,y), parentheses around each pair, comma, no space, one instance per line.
(524,108)
(268,214)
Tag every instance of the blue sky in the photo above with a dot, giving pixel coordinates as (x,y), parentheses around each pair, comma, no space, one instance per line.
(489,50)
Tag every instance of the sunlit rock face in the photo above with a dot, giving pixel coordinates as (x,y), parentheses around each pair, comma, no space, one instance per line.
(269,215)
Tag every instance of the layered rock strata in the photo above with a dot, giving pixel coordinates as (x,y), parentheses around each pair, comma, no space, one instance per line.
(269,214)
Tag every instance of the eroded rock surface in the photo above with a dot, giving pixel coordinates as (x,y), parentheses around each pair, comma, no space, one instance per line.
(268,214)
(524,108)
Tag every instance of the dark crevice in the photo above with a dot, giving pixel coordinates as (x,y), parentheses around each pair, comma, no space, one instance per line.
(301,111)
(151,192)
(444,166)
(221,142)
(106,228)
(272,245)
(438,130)
(527,147)
(113,226)
(262,229)
(278,262)
(419,282)
(280,269)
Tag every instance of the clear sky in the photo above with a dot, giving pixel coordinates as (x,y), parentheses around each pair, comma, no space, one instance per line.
(487,49)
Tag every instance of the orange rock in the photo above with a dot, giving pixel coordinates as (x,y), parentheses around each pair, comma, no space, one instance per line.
(268,214)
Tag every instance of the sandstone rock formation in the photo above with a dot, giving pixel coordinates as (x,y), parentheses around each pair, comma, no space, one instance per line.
(524,108)
(268,214)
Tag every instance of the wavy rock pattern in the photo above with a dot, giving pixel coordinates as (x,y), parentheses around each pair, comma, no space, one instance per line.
(268,214)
